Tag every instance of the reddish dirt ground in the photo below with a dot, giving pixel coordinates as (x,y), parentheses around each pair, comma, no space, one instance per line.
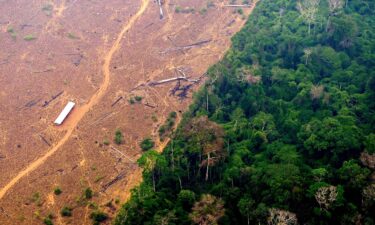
(92,52)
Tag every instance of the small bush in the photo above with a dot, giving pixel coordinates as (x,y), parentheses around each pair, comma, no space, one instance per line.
(240,11)
(118,137)
(57,191)
(173,115)
(147,144)
(178,9)
(98,216)
(98,178)
(10,29)
(47,221)
(88,193)
(72,36)
(203,11)
(162,130)
(138,98)
(106,142)
(66,211)
(131,101)
(210,4)
(29,37)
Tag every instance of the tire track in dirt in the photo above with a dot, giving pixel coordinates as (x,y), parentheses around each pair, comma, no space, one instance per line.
(80,112)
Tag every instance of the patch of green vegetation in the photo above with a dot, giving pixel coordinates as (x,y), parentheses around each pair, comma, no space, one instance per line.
(37,215)
(66,211)
(210,4)
(167,127)
(88,193)
(154,118)
(48,219)
(47,9)
(29,37)
(203,11)
(118,137)
(93,205)
(239,11)
(98,217)
(106,142)
(147,144)
(99,178)
(179,9)
(131,100)
(12,32)
(36,198)
(138,98)
(57,191)
(72,36)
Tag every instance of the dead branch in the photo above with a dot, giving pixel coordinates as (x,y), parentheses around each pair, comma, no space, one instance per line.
(148,105)
(119,99)
(44,139)
(46,103)
(148,25)
(44,71)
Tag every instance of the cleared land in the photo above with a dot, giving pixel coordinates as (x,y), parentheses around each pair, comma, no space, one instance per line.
(100,54)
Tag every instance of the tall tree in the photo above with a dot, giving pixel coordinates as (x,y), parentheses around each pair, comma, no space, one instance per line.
(308,10)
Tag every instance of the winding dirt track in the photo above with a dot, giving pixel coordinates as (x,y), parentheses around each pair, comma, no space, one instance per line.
(81,111)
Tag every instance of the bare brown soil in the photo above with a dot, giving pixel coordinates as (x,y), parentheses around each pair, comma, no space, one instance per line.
(93,52)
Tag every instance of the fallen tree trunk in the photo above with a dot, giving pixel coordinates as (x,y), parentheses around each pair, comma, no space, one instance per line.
(113,181)
(119,99)
(243,6)
(187,46)
(154,83)
(113,148)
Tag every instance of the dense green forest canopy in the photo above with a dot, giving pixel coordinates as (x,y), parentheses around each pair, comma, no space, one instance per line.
(283,132)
